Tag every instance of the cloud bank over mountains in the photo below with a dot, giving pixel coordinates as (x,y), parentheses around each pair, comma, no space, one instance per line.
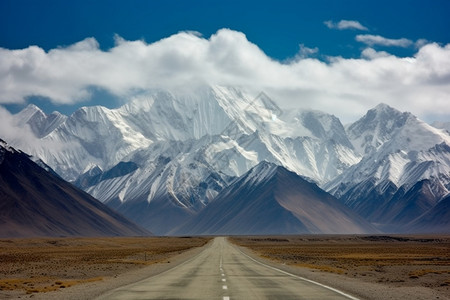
(343,86)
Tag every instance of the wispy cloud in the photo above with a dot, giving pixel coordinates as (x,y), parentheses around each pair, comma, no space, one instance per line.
(305,52)
(420,43)
(345,24)
(372,40)
(346,87)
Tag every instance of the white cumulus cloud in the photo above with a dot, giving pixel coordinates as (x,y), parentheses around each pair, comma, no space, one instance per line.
(345,24)
(345,87)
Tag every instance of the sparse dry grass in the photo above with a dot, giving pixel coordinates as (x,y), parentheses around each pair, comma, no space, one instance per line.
(41,284)
(419,273)
(321,268)
(48,264)
(392,260)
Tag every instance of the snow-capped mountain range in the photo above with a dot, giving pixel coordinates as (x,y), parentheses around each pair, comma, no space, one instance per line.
(183,149)
(399,152)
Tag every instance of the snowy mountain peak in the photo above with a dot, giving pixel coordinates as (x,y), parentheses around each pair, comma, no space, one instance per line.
(261,172)
(383,107)
(398,147)
(324,126)
(383,112)
(40,123)
(376,127)
(29,111)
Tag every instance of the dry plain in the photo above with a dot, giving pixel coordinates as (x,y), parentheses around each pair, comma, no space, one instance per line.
(414,263)
(47,267)
(80,268)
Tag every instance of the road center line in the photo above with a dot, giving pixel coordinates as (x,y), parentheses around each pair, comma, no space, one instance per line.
(226,298)
(224,280)
(225,287)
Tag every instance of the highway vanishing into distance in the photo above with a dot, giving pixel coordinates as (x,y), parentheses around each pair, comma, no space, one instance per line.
(222,271)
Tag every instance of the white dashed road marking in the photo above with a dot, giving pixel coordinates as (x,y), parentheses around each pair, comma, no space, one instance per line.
(224,287)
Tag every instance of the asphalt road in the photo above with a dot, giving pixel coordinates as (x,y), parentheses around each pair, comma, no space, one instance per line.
(223,272)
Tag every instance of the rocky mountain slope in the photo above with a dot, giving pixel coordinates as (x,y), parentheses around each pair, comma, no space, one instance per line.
(269,199)
(36,202)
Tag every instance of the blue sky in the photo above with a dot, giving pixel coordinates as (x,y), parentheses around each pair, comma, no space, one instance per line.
(277,27)
(285,31)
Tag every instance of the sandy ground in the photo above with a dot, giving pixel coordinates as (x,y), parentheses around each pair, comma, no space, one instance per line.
(369,268)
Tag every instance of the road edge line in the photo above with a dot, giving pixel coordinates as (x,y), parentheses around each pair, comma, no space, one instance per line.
(299,277)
